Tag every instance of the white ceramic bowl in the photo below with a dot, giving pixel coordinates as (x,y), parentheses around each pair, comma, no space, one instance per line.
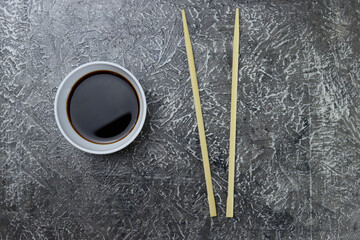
(63,121)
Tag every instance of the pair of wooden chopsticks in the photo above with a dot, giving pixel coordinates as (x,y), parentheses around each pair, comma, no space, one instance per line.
(235,65)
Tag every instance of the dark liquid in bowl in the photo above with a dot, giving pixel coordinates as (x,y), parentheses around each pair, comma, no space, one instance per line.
(103,107)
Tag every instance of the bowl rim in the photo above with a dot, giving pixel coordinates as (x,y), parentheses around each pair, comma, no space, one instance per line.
(126,140)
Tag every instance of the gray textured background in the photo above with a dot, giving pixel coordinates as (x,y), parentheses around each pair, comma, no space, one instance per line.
(298,139)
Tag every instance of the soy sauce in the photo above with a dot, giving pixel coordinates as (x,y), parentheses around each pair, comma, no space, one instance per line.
(103,107)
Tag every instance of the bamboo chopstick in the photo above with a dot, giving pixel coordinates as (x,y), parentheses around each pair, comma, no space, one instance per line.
(235,66)
(199,117)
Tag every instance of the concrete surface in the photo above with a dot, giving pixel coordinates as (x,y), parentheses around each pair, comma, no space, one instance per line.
(298,136)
